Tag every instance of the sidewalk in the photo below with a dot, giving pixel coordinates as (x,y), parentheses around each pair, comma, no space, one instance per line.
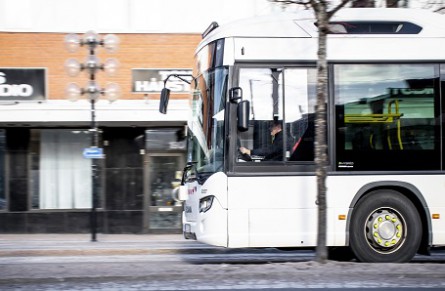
(106,244)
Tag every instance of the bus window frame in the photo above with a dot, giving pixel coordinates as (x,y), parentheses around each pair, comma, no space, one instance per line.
(270,168)
(333,121)
(280,168)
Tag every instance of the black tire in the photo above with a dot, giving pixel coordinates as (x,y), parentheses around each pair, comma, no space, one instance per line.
(385,227)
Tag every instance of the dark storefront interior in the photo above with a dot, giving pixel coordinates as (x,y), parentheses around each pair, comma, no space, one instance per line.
(45,182)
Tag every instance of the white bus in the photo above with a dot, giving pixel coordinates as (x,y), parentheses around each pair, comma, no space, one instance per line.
(386,182)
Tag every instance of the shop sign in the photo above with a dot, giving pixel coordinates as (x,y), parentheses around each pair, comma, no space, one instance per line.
(22,84)
(152,80)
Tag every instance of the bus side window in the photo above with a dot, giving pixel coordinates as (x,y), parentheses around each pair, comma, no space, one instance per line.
(299,98)
(303,144)
(263,88)
(387,117)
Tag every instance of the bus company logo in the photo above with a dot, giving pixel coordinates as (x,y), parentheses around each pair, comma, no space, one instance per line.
(14,90)
(193,190)
(346,164)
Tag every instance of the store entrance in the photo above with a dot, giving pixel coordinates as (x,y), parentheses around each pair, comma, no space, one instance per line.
(163,209)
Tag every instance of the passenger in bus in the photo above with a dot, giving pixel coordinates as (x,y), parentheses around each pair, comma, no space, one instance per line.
(272,152)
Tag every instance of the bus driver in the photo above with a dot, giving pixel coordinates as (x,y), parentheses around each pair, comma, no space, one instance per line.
(273,152)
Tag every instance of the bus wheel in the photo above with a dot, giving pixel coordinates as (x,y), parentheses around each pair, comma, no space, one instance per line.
(385,227)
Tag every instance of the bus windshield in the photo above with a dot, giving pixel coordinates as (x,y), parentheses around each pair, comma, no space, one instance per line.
(206,125)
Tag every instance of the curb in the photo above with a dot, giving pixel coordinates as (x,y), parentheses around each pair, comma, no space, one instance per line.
(87,252)
(134,251)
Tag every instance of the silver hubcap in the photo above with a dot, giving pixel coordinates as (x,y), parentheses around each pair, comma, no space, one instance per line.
(385,230)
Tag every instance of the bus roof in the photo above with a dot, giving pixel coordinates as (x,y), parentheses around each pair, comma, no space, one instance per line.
(302,23)
(365,34)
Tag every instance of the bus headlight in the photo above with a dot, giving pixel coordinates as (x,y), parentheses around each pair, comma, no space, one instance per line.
(205,203)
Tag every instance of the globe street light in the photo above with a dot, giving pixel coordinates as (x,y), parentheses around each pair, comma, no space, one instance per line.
(93,91)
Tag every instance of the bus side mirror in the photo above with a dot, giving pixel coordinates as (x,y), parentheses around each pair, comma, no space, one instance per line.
(163,102)
(243,115)
(235,94)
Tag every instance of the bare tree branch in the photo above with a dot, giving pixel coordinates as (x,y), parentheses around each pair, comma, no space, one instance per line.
(289,2)
(305,3)
(339,6)
(314,4)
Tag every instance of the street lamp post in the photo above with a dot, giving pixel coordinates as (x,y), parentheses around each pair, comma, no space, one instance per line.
(91,66)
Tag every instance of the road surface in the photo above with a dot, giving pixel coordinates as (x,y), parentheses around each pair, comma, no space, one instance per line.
(220,269)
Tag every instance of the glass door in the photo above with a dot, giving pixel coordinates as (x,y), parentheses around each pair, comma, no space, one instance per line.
(164,210)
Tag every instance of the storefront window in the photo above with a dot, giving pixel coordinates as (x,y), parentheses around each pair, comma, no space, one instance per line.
(61,176)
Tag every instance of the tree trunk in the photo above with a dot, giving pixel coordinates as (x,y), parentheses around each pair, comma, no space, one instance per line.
(322,15)
(320,132)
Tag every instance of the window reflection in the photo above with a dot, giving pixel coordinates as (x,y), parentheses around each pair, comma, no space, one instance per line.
(163,180)
(385,111)
(283,97)
(300,100)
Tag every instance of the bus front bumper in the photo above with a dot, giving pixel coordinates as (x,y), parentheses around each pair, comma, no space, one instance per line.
(187,229)
(210,227)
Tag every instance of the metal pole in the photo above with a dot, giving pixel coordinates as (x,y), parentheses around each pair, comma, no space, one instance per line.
(93,91)
(94,171)
(94,162)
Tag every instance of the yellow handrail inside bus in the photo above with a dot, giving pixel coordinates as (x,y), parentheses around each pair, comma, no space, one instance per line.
(387,118)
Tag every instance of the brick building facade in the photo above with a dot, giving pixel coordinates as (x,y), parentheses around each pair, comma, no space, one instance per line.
(45,182)
(47,50)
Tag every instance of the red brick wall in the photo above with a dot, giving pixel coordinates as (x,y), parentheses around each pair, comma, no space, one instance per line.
(135,51)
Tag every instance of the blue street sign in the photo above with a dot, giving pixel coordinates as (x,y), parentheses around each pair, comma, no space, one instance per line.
(93,153)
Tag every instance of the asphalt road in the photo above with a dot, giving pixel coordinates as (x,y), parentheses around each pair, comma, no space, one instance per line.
(168,262)
(266,269)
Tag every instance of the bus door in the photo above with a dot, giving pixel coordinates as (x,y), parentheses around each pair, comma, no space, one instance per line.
(276,206)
